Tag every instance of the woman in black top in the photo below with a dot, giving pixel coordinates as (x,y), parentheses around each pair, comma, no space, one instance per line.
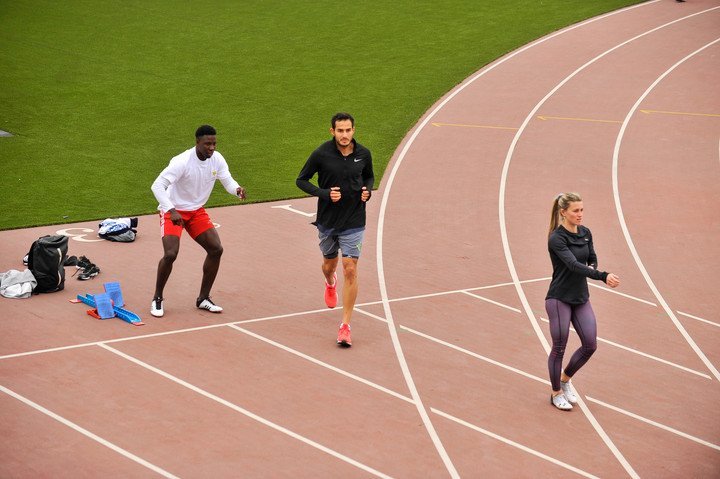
(573,258)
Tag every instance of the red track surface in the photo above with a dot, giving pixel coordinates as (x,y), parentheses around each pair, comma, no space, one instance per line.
(448,374)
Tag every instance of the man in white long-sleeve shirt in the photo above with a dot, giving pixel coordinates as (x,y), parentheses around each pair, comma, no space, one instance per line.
(182,190)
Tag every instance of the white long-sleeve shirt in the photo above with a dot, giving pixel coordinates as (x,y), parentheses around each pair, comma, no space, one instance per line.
(187,181)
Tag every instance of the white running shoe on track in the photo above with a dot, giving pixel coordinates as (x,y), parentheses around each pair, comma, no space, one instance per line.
(208,305)
(156,308)
(568,392)
(560,402)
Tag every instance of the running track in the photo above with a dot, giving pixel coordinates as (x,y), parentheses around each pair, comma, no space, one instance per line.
(447,376)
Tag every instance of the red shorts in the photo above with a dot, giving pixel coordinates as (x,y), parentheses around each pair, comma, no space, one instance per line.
(195,222)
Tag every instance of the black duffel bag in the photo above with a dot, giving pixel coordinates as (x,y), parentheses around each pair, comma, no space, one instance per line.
(46,260)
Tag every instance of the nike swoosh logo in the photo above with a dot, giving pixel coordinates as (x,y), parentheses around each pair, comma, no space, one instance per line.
(357,159)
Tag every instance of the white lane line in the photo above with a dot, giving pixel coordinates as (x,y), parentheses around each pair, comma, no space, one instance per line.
(381,226)
(646,355)
(454,291)
(371,315)
(617,345)
(87,433)
(634,298)
(244,321)
(513,444)
(164,333)
(525,281)
(508,159)
(459,349)
(623,223)
(322,363)
(279,316)
(546,382)
(247,413)
(407,399)
(48,350)
(698,319)
(422,412)
(476,355)
(607,341)
(298,313)
(538,379)
(293,210)
(653,423)
(492,302)
(506,245)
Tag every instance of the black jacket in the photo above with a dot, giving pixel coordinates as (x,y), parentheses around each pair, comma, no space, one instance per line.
(350,173)
(573,260)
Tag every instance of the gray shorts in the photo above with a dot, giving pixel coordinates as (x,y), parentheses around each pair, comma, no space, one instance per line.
(349,242)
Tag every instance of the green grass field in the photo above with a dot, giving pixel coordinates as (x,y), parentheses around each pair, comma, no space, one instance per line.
(100,95)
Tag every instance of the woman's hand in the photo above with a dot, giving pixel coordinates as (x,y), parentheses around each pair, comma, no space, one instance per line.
(612,280)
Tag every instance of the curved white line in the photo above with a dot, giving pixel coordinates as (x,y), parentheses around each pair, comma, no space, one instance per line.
(623,223)
(506,246)
(381,227)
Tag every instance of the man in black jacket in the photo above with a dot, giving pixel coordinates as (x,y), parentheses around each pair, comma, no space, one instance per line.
(345,182)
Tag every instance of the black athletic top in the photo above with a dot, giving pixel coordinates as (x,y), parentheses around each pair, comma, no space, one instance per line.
(350,173)
(574,260)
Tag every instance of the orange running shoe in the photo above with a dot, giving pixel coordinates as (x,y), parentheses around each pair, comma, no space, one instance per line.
(331,296)
(344,335)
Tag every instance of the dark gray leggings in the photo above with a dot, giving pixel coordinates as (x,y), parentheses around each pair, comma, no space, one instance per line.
(583,320)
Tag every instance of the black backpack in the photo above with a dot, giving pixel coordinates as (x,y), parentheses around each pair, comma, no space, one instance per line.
(46,261)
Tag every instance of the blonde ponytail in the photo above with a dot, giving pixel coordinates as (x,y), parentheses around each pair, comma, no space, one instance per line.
(561,202)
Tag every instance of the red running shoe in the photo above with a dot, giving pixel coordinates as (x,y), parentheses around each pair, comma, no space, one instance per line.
(331,296)
(344,335)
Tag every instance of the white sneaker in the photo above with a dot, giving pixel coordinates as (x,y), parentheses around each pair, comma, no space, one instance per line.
(560,402)
(208,305)
(156,308)
(568,392)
